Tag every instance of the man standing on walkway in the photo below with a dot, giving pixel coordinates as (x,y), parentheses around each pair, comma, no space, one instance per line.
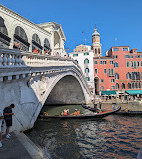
(1,119)
(8,118)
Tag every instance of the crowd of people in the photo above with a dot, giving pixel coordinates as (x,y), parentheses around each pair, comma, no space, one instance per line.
(6,116)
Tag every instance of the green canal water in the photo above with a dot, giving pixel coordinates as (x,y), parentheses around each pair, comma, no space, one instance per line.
(113,137)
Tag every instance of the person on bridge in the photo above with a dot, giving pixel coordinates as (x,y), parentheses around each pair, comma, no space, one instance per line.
(7,112)
(35,50)
(1,120)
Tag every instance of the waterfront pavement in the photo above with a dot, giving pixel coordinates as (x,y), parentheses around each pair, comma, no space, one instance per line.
(19,146)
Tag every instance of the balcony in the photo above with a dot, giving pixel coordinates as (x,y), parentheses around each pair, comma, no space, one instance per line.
(110,75)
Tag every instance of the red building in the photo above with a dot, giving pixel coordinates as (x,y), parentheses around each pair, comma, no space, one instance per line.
(118,72)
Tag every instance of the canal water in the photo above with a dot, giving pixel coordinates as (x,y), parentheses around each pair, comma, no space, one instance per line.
(115,136)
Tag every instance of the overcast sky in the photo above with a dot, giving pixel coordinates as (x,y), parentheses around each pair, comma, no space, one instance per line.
(119,22)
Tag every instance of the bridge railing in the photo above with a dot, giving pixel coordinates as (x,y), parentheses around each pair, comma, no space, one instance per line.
(16,58)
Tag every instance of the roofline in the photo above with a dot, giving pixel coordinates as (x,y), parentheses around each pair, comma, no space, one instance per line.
(24,18)
(52,24)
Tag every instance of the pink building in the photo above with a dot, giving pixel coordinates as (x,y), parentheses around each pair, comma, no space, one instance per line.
(119,73)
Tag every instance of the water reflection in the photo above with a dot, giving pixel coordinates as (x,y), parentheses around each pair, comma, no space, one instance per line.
(113,137)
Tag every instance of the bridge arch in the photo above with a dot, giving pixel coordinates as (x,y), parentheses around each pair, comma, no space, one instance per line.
(69,83)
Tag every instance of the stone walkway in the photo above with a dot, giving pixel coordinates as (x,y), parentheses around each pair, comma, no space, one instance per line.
(13,149)
(19,146)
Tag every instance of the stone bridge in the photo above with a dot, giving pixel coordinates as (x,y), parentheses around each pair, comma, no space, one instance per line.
(30,80)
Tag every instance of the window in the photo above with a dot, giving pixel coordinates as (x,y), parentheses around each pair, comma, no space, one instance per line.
(86,61)
(112,80)
(128,75)
(87,70)
(141,63)
(86,53)
(76,61)
(115,64)
(104,62)
(125,49)
(95,62)
(115,49)
(101,62)
(129,85)
(133,85)
(87,78)
(117,86)
(111,62)
(123,86)
(138,63)
(135,65)
(102,88)
(99,51)
(115,56)
(95,51)
(112,87)
(96,71)
(127,64)
(102,81)
(74,55)
(116,76)
(139,85)
(105,71)
(110,71)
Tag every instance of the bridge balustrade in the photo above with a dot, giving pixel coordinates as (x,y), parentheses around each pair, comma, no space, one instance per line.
(16,58)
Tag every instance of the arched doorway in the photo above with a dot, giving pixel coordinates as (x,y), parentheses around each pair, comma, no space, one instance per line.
(4,39)
(96,82)
(57,41)
(47,49)
(36,44)
(20,39)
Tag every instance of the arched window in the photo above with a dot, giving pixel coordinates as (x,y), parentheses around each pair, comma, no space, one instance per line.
(86,61)
(36,44)
(129,85)
(138,76)
(47,49)
(116,76)
(99,51)
(136,85)
(133,85)
(76,61)
(139,85)
(123,86)
(115,64)
(117,86)
(87,70)
(95,51)
(20,39)
(128,75)
(4,39)
(135,65)
(127,64)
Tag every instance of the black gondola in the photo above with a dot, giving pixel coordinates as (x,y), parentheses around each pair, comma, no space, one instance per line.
(82,116)
(129,113)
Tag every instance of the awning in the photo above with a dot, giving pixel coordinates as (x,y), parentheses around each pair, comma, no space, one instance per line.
(108,92)
(134,92)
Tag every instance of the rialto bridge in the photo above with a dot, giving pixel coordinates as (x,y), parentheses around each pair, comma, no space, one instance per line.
(28,79)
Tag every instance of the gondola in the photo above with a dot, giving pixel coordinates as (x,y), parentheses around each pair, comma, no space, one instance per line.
(129,113)
(82,116)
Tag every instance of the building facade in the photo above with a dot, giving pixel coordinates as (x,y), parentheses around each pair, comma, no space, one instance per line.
(120,71)
(84,54)
(16,32)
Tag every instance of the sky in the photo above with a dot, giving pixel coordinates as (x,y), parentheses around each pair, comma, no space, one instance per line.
(119,22)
